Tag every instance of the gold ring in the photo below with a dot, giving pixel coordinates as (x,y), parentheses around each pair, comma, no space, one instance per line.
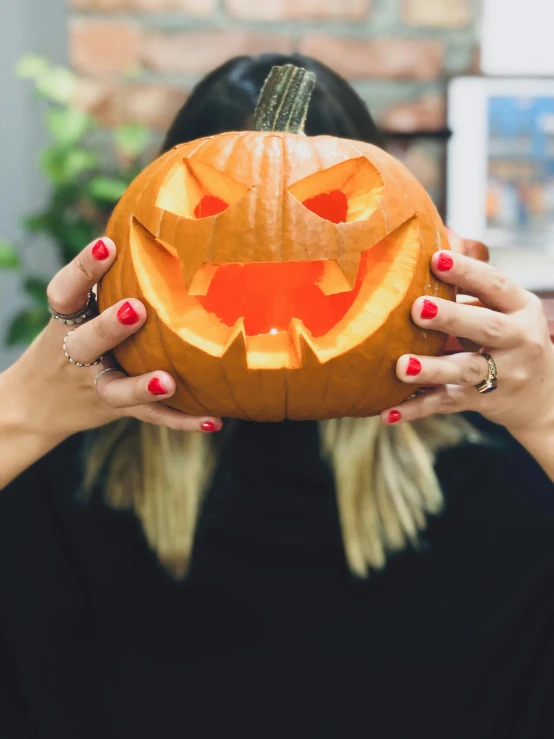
(491,382)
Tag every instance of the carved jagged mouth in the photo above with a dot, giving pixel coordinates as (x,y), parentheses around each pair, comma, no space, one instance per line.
(285,316)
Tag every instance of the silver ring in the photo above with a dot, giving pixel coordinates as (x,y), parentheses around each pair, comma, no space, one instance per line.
(78,364)
(491,382)
(104,371)
(69,319)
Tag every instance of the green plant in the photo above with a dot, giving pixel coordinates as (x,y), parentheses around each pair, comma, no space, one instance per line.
(84,185)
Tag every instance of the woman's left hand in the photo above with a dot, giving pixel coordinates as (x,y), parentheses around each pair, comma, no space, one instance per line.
(510,326)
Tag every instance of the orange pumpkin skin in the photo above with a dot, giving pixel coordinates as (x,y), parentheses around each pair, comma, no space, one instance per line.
(175,257)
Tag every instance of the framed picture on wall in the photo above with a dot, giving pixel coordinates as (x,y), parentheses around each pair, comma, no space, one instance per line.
(500,172)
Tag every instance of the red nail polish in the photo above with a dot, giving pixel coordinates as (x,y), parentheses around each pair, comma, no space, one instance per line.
(100,251)
(429,309)
(127,315)
(414,367)
(208,427)
(155,387)
(394,416)
(445,262)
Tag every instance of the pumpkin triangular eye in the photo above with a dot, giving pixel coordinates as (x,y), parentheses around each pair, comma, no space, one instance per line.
(210,205)
(349,191)
(196,190)
(333,206)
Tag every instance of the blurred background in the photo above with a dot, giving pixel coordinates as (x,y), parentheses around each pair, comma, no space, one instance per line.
(89,86)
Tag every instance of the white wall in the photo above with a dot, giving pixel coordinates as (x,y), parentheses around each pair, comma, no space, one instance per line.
(516,37)
(25,25)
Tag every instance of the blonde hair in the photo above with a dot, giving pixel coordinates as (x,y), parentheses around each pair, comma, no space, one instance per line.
(385,482)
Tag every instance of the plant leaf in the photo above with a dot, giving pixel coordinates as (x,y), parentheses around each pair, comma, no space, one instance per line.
(107,189)
(57,84)
(36,223)
(26,326)
(36,288)
(63,164)
(31,66)
(68,125)
(131,140)
(9,257)
(75,237)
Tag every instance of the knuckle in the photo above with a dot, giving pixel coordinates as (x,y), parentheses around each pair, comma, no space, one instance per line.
(501,283)
(84,267)
(494,329)
(521,375)
(140,394)
(441,375)
(472,372)
(536,347)
(102,330)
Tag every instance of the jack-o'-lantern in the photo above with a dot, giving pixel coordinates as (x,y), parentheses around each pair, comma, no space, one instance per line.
(278,270)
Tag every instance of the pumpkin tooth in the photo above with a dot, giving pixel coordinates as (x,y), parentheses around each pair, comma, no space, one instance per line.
(202,280)
(333,280)
(236,346)
(302,344)
(349,265)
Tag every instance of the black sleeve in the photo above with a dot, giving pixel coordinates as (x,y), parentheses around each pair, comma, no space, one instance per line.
(526,473)
(15,718)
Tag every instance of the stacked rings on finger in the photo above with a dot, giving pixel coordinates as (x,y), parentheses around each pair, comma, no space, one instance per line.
(71,360)
(69,319)
(490,383)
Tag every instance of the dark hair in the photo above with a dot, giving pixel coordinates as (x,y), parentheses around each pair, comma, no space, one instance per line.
(226,98)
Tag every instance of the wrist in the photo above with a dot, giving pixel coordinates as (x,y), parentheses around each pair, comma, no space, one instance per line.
(538,439)
(541,426)
(22,414)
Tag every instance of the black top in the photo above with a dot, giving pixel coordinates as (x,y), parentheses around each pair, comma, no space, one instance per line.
(271,637)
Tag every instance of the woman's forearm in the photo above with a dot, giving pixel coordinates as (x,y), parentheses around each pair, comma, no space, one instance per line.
(539,442)
(22,442)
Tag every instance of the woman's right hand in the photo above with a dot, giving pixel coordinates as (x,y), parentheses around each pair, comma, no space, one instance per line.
(58,398)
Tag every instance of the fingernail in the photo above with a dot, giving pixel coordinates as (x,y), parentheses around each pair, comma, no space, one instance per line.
(429,309)
(414,367)
(100,251)
(209,427)
(445,262)
(127,315)
(394,416)
(155,387)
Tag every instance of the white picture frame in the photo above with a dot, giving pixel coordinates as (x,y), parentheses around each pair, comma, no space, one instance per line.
(500,172)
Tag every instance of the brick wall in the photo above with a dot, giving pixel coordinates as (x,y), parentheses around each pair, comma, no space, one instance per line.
(137,58)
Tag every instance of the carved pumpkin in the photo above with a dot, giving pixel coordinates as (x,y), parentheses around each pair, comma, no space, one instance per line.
(278,270)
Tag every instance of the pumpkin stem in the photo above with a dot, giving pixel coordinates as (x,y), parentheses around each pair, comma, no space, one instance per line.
(284,100)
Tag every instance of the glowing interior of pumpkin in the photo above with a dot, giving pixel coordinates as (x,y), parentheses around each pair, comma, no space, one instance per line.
(268,295)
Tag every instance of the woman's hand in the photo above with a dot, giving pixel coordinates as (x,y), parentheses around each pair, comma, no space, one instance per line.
(57,397)
(512,328)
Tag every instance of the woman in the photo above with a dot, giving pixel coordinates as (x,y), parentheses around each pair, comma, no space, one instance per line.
(326,595)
